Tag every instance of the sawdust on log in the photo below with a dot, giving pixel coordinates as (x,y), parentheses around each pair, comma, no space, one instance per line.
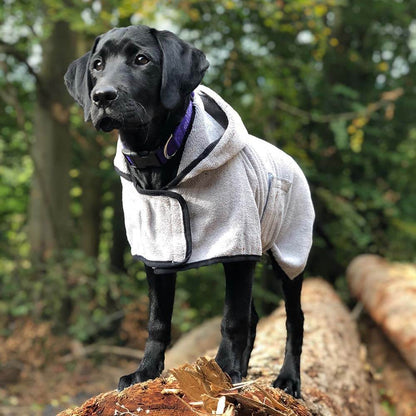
(199,389)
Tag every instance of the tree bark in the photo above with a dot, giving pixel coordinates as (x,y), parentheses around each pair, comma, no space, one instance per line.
(195,343)
(91,179)
(334,379)
(388,293)
(119,238)
(394,380)
(49,215)
(91,184)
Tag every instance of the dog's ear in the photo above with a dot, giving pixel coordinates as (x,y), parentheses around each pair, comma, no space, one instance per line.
(78,81)
(183,68)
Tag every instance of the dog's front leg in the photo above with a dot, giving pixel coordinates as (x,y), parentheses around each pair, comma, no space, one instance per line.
(232,353)
(289,376)
(161,297)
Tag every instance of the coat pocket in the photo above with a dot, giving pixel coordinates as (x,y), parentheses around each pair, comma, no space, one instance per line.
(273,212)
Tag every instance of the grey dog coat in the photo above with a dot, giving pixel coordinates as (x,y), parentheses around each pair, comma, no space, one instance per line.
(235,196)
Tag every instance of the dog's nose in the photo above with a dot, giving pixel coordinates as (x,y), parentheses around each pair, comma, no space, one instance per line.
(103,96)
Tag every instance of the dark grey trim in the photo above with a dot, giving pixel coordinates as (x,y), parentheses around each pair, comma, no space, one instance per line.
(122,174)
(183,173)
(202,263)
(194,163)
(186,225)
(269,187)
(214,110)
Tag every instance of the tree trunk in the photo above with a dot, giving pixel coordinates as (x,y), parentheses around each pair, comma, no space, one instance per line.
(91,184)
(388,293)
(119,239)
(334,379)
(49,215)
(91,180)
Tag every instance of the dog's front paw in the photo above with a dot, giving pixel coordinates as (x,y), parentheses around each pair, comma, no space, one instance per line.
(289,384)
(225,365)
(128,380)
(235,376)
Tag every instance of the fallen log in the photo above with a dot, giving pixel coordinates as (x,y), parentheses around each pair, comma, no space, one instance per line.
(334,379)
(81,352)
(394,380)
(201,388)
(388,292)
(195,343)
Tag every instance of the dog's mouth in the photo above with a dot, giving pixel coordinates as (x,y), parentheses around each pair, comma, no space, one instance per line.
(108,124)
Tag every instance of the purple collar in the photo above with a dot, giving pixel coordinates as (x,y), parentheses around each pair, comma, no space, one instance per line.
(160,156)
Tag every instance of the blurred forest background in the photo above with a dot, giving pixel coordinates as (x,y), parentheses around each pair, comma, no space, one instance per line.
(331,82)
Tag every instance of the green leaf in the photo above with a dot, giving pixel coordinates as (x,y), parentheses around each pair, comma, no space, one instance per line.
(339,128)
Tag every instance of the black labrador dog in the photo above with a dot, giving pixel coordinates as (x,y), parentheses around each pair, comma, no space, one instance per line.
(139,81)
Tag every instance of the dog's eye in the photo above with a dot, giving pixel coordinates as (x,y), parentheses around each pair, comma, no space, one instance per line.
(141,60)
(98,65)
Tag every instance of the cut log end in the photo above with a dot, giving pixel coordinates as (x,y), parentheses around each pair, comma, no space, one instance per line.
(388,293)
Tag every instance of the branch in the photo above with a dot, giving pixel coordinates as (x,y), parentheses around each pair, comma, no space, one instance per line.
(386,99)
(103,349)
(10,97)
(11,50)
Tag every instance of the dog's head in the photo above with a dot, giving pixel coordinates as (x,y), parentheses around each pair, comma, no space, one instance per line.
(132,76)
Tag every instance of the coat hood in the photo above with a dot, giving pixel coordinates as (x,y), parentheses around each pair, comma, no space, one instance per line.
(209,145)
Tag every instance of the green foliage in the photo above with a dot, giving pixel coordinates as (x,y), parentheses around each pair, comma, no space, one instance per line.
(15,169)
(199,295)
(80,295)
(331,82)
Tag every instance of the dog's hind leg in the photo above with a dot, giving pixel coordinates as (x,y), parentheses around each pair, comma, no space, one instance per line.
(232,353)
(289,376)
(161,297)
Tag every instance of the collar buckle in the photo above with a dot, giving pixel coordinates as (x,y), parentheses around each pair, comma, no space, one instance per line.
(142,160)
